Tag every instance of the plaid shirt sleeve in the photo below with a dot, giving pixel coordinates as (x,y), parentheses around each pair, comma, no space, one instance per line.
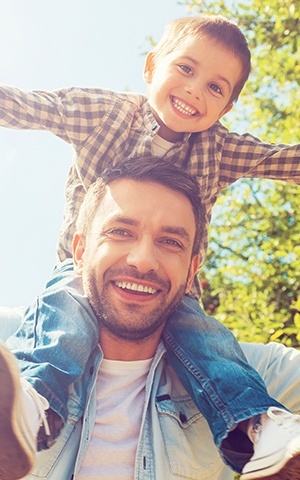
(71,114)
(248,156)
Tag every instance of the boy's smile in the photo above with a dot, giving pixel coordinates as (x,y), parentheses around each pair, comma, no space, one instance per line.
(190,88)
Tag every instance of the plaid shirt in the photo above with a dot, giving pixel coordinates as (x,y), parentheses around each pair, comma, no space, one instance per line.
(106,127)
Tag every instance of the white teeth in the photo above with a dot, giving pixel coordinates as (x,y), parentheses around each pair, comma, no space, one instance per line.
(183,108)
(136,287)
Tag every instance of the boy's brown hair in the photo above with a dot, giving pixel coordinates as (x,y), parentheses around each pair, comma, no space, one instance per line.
(222,31)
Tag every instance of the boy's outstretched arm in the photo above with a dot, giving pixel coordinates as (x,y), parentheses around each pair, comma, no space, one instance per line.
(71,113)
(246,156)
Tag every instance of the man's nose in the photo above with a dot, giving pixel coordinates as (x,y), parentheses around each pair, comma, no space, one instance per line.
(143,256)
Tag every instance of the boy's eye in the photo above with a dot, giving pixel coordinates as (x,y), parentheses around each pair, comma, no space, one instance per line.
(186,69)
(216,88)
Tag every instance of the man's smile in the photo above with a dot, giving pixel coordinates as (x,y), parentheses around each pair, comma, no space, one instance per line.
(135,287)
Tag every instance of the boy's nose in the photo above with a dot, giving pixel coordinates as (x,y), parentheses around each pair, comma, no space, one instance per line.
(143,256)
(194,90)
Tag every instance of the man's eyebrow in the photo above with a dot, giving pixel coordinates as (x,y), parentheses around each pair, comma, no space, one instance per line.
(124,220)
(179,231)
(220,77)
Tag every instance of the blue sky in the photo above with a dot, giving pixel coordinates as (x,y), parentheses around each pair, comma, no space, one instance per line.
(48,45)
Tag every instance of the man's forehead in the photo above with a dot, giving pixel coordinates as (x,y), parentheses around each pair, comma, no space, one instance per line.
(125,188)
(122,186)
(144,197)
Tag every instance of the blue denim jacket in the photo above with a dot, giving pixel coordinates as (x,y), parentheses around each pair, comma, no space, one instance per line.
(175,441)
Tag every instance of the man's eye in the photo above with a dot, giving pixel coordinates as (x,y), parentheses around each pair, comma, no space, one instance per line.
(172,243)
(118,232)
(215,88)
(186,69)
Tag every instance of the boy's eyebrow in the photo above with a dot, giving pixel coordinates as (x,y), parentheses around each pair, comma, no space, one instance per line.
(220,77)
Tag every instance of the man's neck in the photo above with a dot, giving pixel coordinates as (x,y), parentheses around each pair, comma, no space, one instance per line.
(115,348)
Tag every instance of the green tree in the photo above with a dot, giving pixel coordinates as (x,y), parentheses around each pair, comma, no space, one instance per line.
(251,275)
(252,272)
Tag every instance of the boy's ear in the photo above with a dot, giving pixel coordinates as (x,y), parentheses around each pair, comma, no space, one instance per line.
(148,68)
(226,110)
(192,272)
(78,249)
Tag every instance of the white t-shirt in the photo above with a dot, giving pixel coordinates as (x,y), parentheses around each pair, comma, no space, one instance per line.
(120,403)
(160,146)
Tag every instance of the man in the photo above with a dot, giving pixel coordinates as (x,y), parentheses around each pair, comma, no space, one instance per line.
(136,248)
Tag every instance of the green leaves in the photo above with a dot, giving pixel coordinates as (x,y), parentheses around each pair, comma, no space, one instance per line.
(253,264)
(252,269)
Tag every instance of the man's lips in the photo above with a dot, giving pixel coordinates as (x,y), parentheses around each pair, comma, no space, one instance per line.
(135,287)
(183,107)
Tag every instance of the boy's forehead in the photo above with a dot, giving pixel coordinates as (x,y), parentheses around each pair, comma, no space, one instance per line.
(197,44)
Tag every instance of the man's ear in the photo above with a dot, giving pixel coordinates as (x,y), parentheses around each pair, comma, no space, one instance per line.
(226,110)
(192,272)
(148,68)
(78,249)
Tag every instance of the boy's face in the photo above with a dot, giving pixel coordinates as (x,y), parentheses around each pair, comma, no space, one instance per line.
(190,88)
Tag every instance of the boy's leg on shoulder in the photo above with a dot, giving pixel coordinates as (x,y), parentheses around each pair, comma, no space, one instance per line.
(64,316)
(22,413)
(212,367)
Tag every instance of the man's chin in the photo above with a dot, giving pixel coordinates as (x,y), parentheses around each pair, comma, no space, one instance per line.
(136,331)
(131,322)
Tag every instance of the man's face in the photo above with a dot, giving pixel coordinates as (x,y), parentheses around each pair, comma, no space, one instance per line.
(190,88)
(136,262)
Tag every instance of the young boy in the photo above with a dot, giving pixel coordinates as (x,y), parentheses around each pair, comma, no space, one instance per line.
(194,75)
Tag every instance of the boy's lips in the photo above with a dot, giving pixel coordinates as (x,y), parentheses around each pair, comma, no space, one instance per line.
(184,107)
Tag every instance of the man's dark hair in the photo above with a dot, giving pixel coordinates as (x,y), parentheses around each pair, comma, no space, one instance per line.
(144,169)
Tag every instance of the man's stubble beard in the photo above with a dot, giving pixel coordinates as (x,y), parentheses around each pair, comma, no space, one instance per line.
(111,319)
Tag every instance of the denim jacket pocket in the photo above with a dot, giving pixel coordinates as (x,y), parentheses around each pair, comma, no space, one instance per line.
(189,447)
